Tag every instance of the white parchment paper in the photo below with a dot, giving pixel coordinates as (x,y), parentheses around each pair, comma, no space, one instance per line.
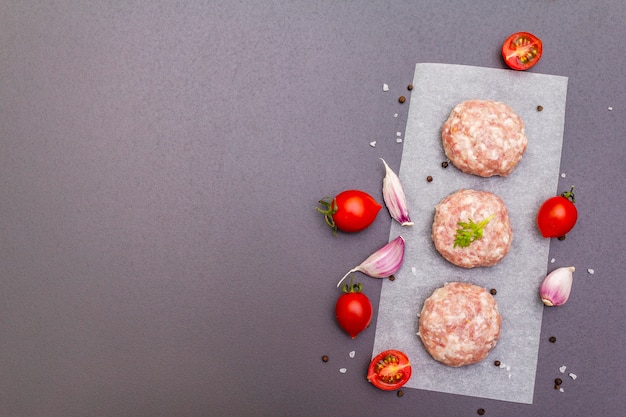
(437,88)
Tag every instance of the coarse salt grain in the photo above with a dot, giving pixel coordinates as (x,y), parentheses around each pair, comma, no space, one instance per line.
(395,115)
(573,375)
(610,108)
(563,175)
(552,260)
(591,271)
(343,370)
(385,87)
(563,368)
(373,143)
(414,270)
(351,354)
(398,140)
(398,134)
(561,389)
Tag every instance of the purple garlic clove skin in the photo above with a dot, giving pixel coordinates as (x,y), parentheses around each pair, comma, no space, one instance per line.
(557,286)
(383,263)
(394,197)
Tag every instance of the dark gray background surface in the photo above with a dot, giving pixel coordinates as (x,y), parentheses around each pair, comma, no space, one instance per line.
(159,165)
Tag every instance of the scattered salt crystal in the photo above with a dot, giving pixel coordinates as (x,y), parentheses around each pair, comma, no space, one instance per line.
(395,115)
(343,370)
(414,270)
(398,134)
(502,365)
(399,140)
(351,354)
(373,143)
(563,175)
(561,389)
(508,368)
(552,260)
(510,376)
(610,108)
(563,368)
(572,375)
(591,271)
(385,87)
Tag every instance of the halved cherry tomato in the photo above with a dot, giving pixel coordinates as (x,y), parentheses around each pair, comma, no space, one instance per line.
(389,370)
(353,310)
(521,50)
(557,215)
(350,211)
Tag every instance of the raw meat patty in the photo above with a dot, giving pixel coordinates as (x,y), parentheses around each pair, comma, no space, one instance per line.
(484,138)
(478,206)
(459,324)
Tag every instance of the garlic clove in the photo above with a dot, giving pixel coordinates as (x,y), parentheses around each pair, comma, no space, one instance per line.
(557,286)
(383,263)
(394,197)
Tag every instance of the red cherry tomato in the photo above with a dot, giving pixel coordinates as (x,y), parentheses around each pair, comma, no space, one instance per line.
(557,215)
(521,50)
(389,370)
(350,211)
(353,310)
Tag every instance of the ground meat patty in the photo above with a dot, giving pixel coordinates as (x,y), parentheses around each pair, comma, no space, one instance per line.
(484,138)
(459,324)
(462,206)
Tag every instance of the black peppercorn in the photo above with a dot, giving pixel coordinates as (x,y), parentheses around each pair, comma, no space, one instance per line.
(557,386)
(493,291)
(558,381)
(392,277)
(497,363)
(552,339)
(561,237)
(539,108)
(444,164)
(400,393)
(325,358)
(409,87)
(429,178)
(481,411)
(402,99)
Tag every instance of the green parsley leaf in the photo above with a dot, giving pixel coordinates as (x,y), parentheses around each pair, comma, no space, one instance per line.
(470,231)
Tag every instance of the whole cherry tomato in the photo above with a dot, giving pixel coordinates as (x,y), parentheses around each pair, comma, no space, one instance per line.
(521,50)
(350,211)
(389,370)
(353,310)
(557,215)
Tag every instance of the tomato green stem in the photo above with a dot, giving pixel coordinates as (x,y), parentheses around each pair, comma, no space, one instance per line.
(351,287)
(330,208)
(569,195)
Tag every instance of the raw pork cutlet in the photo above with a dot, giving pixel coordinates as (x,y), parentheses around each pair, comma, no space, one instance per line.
(466,205)
(484,138)
(459,324)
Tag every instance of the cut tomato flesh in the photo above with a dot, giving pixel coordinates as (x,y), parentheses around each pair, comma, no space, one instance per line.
(389,370)
(522,50)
